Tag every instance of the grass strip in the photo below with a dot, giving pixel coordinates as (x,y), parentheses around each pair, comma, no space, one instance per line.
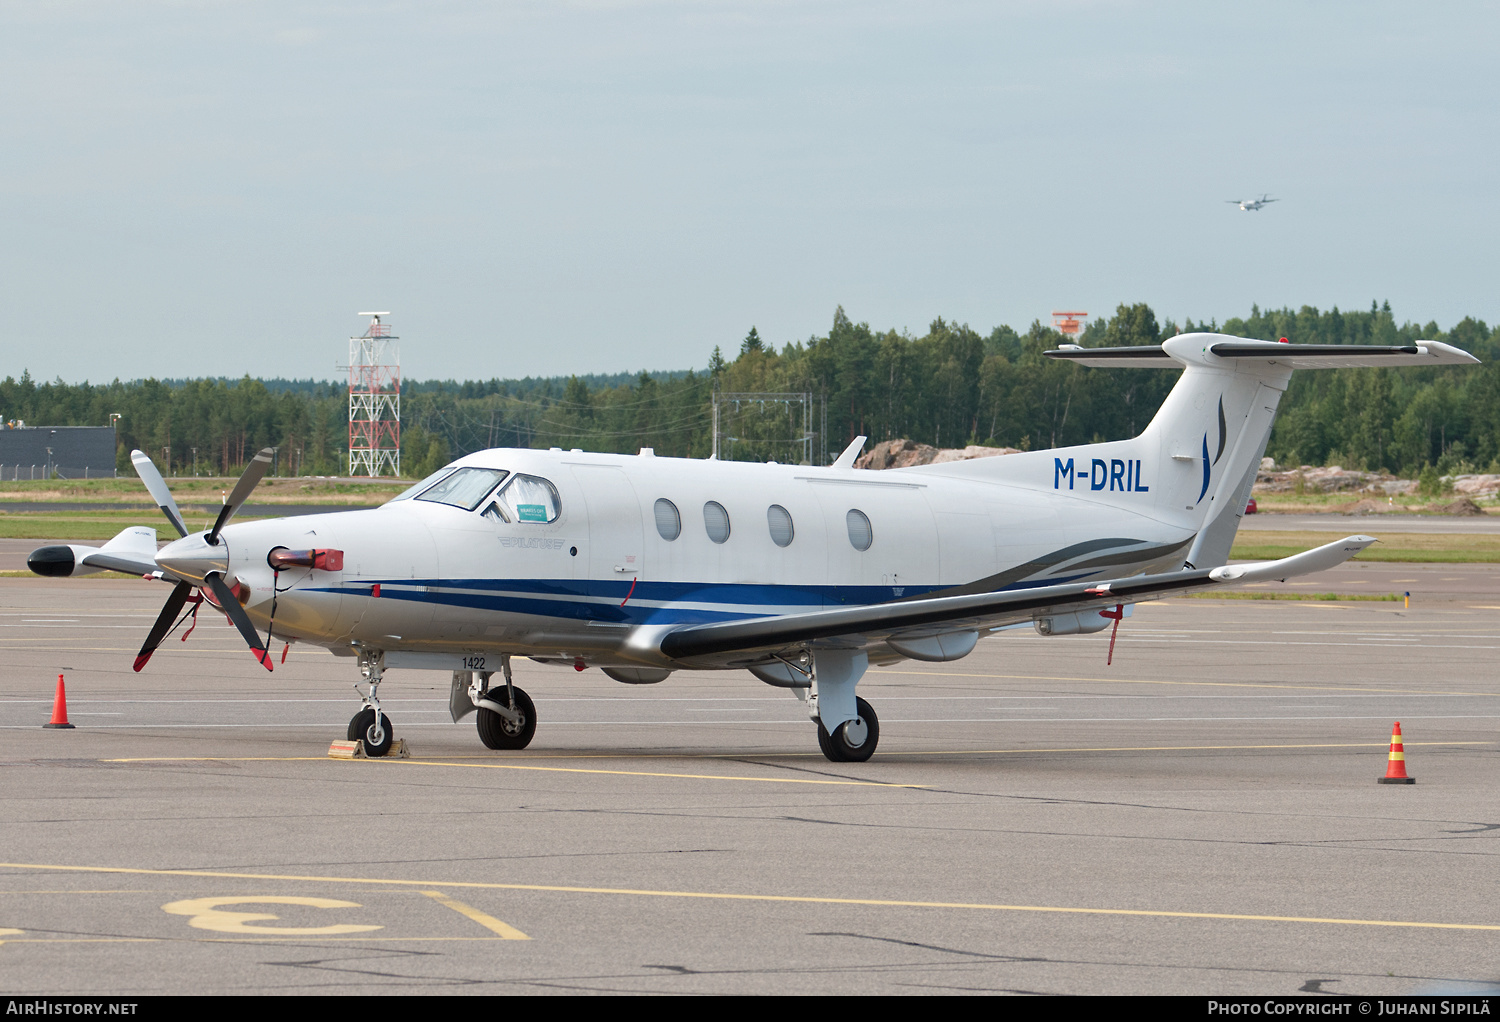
(1411,547)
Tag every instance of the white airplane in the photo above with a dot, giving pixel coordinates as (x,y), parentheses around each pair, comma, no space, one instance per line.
(1250,205)
(804,576)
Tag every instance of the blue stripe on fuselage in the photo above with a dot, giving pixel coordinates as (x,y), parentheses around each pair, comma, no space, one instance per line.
(651,603)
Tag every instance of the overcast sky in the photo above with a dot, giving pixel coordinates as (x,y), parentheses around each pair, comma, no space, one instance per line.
(204,189)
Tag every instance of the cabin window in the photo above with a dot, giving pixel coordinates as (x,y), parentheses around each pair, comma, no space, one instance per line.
(860,533)
(716,521)
(780,521)
(416,488)
(668,521)
(528,499)
(464,488)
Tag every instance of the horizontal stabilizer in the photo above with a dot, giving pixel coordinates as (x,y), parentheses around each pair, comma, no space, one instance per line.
(133,551)
(1293,356)
(1321,558)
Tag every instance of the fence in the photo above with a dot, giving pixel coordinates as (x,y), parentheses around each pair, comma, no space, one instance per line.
(17,473)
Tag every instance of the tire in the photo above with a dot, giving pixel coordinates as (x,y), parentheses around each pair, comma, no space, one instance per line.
(498,733)
(362,728)
(826,744)
(840,747)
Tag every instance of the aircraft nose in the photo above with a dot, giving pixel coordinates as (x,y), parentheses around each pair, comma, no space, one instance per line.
(192,558)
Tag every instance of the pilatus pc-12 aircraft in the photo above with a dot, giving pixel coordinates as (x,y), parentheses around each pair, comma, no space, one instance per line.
(803,576)
(1253,205)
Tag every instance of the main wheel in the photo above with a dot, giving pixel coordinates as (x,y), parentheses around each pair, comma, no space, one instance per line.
(853,741)
(824,743)
(498,733)
(376,734)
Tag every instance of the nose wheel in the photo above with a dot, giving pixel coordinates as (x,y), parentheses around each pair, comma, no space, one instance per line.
(374,729)
(369,725)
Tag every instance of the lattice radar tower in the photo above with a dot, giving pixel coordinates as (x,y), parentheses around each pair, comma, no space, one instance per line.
(375,401)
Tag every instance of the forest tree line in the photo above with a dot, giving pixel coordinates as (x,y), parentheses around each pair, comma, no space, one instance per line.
(949,387)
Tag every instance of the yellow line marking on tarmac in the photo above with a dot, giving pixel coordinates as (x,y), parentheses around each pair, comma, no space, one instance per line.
(222,940)
(123,890)
(1172,748)
(1154,681)
(489,922)
(512,766)
(770,898)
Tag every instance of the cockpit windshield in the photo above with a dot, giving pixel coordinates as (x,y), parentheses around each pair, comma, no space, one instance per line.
(465,487)
(416,488)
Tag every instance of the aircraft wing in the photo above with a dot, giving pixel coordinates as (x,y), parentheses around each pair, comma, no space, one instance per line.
(878,622)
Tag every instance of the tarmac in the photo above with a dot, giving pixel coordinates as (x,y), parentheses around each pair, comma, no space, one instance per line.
(1200,817)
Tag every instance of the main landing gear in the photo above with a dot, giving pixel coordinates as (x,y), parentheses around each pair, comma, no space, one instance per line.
(830,698)
(506,717)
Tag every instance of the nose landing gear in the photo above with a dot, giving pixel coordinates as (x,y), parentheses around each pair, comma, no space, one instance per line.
(369,725)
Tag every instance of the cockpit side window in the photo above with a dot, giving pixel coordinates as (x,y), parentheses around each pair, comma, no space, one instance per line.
(529,499)
(465,488)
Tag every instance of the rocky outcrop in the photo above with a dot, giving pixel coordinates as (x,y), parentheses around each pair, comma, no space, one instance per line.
(1336,479)
(905,453)
(1475,485)
(1331,479)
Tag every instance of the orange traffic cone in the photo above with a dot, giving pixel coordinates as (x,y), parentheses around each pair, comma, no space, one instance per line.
(1395,771)
(59,707)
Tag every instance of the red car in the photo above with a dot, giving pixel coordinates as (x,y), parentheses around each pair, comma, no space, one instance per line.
(1250,507)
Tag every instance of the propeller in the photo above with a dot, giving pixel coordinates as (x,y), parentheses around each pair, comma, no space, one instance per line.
(159,492)
(241,492)
(231,606)
(213,581)
(163,623)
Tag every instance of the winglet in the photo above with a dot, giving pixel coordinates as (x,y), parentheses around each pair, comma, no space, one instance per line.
(846,460)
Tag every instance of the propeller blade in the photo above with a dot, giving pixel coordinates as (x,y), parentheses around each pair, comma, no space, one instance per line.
(163,623)
(247,482)
(231,606)
(159,492)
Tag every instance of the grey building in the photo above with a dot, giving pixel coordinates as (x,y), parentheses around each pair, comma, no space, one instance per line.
(69,452)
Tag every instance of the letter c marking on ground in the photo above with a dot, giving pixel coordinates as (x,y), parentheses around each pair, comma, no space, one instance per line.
(207,914)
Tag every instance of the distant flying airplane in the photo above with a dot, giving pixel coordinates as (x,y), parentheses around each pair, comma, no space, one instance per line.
(1249,205)
(628,562)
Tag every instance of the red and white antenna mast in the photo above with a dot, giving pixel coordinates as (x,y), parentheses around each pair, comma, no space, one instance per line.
(375,401)
(1068,323)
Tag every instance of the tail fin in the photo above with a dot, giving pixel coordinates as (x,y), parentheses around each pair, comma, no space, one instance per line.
(1193,466)
(1211,432)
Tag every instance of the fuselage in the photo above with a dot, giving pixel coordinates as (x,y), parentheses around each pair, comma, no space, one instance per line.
(630,546)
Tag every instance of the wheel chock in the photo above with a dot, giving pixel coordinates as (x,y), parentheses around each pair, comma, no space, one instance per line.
(356,750)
